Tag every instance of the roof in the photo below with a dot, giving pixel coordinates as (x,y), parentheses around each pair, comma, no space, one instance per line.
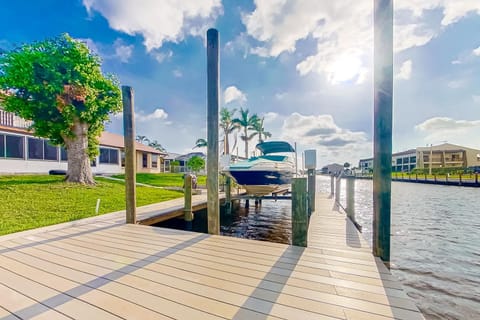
(109,139)
(403,153)
(274,147)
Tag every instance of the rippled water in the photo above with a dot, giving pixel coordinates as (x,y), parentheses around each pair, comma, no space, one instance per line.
(435,240)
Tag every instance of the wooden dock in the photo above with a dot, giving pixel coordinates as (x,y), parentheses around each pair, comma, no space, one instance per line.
(104,269)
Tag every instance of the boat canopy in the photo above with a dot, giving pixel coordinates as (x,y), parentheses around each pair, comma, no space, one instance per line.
(274,147)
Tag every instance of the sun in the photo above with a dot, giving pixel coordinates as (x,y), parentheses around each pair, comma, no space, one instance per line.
(346,67)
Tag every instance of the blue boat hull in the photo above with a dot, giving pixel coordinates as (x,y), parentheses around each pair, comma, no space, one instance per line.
(262,177)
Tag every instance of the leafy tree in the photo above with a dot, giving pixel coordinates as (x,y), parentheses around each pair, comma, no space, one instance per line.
(227,125)
(174,164)
(260,130)
(156,145)
(59,85)
(246,122)
(200,143)
(196,163)
(142,139)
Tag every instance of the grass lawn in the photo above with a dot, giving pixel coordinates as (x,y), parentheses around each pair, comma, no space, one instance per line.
(29,202)
(164,179)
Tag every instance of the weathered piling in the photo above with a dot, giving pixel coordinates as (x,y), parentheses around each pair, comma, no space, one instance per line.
(213,83)
(299,212)
(188,213)
(228,195)
(338,184)
(382,146)
(130,161)
(350,197)
(332,185)
(311,174)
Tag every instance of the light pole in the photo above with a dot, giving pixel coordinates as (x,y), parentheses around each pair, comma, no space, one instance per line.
(430,160)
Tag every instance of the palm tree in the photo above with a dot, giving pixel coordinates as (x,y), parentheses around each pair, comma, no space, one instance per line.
(142,139)
(200,143)
(227,125)
(154,144)
(260,130)
(246,122)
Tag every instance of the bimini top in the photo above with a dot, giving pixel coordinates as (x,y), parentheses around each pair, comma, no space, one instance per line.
(274,147)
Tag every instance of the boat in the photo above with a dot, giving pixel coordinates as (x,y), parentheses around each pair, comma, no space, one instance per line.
(268,173)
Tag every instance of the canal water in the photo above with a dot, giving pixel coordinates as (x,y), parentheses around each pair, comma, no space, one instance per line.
(435,239)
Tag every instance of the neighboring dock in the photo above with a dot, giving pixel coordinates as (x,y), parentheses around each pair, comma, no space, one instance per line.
(102,268)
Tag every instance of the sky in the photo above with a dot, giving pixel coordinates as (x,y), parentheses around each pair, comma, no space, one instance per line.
(305,66)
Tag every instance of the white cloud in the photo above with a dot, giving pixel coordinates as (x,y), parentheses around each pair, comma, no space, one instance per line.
(455,84)
(158,21)
(454,131)
(343,31)
(122,51)
(177,73)
(476,51)
(157,114)
(232,93)
(162,56)
(270,117)
(405,70)
(457,61)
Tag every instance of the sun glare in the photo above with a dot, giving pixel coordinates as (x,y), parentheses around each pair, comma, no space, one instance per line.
(346,67)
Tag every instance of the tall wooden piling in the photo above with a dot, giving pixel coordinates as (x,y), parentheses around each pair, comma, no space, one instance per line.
(338,185)
(130,160)
(188,213)
(213,82)
(350,197)
(382,145)
(332,185)
(311,174)
(299,212)
(228,195)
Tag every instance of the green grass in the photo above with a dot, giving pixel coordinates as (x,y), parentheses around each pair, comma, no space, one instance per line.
(29,202)
(164,179)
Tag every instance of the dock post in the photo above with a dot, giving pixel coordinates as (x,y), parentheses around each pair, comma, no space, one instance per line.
(228,195)
(188,213)
(311,174)
(338,184)
(351,198)
(130,153)
(299,212)
(476,178)
(382,140)
(332,185)
(213,203)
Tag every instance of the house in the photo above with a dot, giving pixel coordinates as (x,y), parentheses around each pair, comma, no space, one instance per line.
(22,152)
(333,168)
(445,155)
(182,161)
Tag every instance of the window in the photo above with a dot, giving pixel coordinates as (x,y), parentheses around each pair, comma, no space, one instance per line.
(63,154)
(14,147)
(50,151)
(2,146)
(145,160)
(405,160)
(154,160)
(108,156)
(399,161)
(413,159)
(35,148)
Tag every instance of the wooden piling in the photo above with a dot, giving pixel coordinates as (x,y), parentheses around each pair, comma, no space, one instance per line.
(332,184)
(382,146)
(351,197)
(130,160)
(299,212)
(311,174)
(228,195)
(338,184)
(213,205)
(188,213)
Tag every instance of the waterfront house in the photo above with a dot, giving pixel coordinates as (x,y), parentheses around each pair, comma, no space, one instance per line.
(22,152)
(446,155)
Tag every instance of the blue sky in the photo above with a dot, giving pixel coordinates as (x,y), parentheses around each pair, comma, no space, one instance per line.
(306,66)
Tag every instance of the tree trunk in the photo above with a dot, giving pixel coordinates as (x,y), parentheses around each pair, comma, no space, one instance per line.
(79,170)
(227,145)
(246,143)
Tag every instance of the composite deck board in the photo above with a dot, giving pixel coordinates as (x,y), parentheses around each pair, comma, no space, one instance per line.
(101,268)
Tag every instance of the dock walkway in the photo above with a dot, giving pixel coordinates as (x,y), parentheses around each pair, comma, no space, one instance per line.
(105,269)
